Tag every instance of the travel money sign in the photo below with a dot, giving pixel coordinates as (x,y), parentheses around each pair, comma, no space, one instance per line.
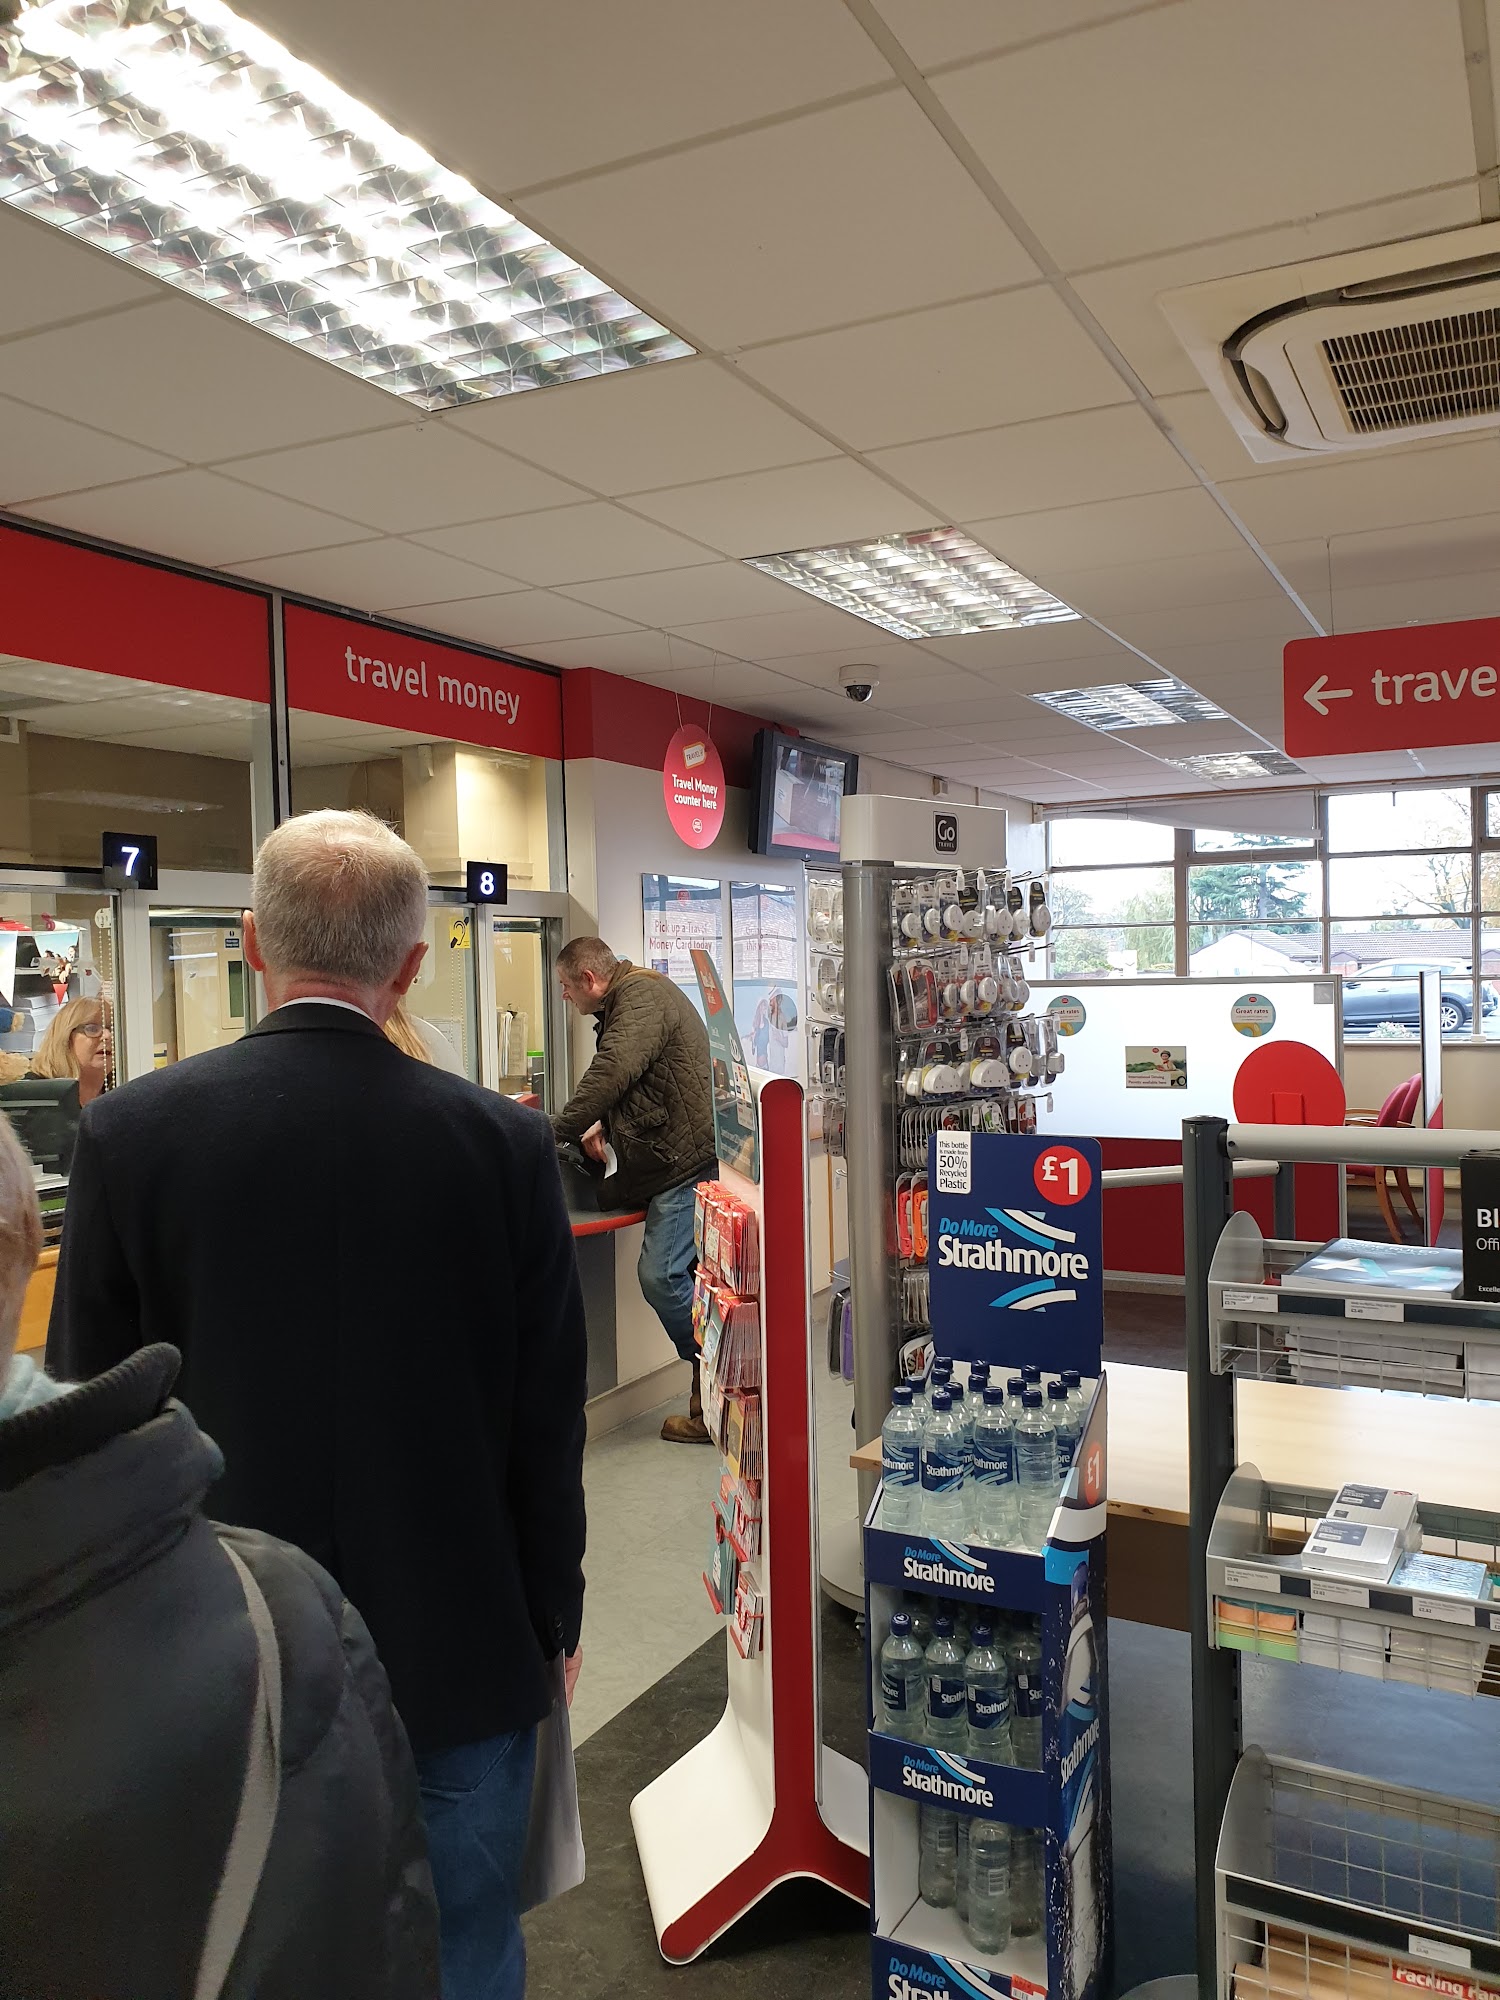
(1415,687)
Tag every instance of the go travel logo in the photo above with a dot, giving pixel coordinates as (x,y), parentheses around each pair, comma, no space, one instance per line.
(1039,1255)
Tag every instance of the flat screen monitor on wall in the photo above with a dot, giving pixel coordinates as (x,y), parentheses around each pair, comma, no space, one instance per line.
(797,795)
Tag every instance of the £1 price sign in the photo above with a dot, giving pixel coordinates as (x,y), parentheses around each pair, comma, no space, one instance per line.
(1063,1175)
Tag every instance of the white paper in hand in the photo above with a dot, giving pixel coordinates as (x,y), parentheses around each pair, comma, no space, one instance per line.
(611,1160)
(554,1861)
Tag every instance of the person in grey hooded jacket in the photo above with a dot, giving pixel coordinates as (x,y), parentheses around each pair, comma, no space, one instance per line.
(128,1670)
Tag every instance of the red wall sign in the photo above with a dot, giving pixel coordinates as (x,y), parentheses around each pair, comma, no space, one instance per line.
(1417,686)
(692,783)
(342,666)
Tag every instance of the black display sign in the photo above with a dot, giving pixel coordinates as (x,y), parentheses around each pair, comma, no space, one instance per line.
(1479,1198)
(487,881)
(129,860)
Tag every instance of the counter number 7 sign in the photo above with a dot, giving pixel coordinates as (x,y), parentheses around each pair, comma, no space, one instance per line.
(128,860)
(1062,1175)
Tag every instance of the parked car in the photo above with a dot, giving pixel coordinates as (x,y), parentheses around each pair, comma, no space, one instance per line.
(1392,994)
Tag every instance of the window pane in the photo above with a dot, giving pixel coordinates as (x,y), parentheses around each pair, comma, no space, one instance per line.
(1082,843)
(1425,817)
(1114,896)
(1492,815)
(1401,885)
(1254,950)
(1212,840)
(1119,952)
(1382,1000)
(1255,892)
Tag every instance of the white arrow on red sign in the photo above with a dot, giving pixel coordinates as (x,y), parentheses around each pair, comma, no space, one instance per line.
(1405,689)
(1320,694)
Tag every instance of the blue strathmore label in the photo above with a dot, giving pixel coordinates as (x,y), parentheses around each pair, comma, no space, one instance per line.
(945,1697)
(1026,1695)
(904,1974)
(893,1687)
(943,1470)
(901,1465)
(933,1774)
(994,1465)
(989,1708)
(1065,1450)
(949,1569)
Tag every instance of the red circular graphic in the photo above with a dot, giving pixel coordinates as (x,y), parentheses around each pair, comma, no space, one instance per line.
(1093,1475)
(692,784)
(1062,1175)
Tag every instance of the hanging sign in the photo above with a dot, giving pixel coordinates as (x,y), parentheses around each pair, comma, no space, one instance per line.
(734,1101)
(1407,689)
(692,783)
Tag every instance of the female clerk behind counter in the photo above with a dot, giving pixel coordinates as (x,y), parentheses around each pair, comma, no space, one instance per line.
(78,1044)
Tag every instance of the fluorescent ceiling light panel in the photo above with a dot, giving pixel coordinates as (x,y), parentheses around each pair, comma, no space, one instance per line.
(1145,704)
(934,584)
(125,802)
(196,149)
(1239,764)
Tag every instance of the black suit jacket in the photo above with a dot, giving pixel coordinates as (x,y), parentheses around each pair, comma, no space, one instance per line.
(367,1266)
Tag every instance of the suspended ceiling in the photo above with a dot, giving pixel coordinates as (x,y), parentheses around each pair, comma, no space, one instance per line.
(918,248)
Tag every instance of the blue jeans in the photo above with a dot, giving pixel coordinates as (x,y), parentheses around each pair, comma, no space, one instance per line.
(477,1800)
(666,1265)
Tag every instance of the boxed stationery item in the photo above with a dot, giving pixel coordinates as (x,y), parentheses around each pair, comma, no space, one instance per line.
(1379,1507)
(1378,1270)
(1352,1548)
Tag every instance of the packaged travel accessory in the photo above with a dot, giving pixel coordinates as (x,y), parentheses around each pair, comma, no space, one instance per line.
(1039,917)
(903,1215)
(1445,1576)
(1379,1270)
(1352,1548)
(1379,1507)
(1020,922)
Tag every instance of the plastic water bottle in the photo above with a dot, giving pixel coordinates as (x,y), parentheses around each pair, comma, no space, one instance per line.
(947,1690)
(989,1917)
(1066,1428)
(1031,1375)
(987,1685)
(901,1465)
(921,1620)
(1026,1698)
(1073,1382)
(944,1465)
(961,1900)
(942,1374)
(937,1860)
(1036,1470)
(979,1381)
(1025,1881)
(995,1520)
(903,1682)
(920,1400)
(1015,1389)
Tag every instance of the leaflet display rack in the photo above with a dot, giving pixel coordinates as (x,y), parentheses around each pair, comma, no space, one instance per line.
(1064,1585)
(762,1798)
(1312,1880)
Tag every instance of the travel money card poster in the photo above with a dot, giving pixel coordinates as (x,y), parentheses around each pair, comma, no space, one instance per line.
(1015,1249)
(734,1100)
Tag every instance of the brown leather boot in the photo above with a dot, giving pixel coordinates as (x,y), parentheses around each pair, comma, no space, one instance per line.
(690,1429)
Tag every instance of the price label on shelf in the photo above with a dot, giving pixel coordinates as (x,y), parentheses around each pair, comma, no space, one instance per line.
(1390,1309)
(1437,1951)
(1443,1610)
(1340,1593)
(1253,1302)
(1250,1579)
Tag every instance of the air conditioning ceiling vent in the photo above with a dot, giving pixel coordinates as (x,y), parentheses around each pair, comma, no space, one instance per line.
(1386,346)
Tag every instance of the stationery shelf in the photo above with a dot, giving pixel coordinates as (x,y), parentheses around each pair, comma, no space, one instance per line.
(1316,1884)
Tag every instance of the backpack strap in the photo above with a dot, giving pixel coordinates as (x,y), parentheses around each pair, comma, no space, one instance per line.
(260,1795)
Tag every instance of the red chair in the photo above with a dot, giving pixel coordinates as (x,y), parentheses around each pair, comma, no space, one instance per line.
(1398,1109)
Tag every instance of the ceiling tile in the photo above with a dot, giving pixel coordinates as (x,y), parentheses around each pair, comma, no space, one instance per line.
(685,596)
(1433,601)
(797,507)
(1176,582)
(1437,548)
(42,454)
(378,575)
(641,427)
(893,664)
(1197,624)
(1365,490)
(770,638)
(50,277)
(821,220)
(1102,173)
(513,620)
(197,517)
(183,378)
(1055,462)
(648,655)
(1063,540)
(1123,296)
(571,544)
(964,28)
(991,361)
(1039,646)
(732,684)
(526,95)
(411,476)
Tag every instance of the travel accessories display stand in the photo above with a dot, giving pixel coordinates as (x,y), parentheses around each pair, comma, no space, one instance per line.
(762,1799)
(1312,1880)
(918,1949)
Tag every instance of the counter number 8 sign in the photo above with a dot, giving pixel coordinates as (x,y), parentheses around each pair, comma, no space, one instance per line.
(1063,1175)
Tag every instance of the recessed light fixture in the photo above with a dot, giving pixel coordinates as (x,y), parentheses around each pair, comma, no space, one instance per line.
(1147,704)
(197,149)
(1239,764)
(935,584)
(124,802)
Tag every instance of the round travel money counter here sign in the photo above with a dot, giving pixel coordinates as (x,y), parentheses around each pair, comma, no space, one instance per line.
(1253,1014)
(692,783)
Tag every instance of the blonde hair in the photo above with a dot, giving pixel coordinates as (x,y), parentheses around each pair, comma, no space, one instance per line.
(340,896)
(55,1057)
(20,1236)
(404,1032)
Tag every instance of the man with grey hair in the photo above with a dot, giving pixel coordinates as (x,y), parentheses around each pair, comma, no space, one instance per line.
(291,1212)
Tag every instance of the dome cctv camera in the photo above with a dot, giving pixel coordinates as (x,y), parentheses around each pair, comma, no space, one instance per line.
(859,683)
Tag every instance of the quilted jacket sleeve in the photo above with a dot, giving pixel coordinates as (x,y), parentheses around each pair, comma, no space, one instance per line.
(633,1037)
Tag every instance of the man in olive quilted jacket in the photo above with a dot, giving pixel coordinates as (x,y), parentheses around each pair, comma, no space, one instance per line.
(649,1093)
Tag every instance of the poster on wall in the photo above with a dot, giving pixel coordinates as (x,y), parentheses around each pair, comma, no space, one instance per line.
(734,1100)
(764,943)
(681,914)
(1154,1068)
